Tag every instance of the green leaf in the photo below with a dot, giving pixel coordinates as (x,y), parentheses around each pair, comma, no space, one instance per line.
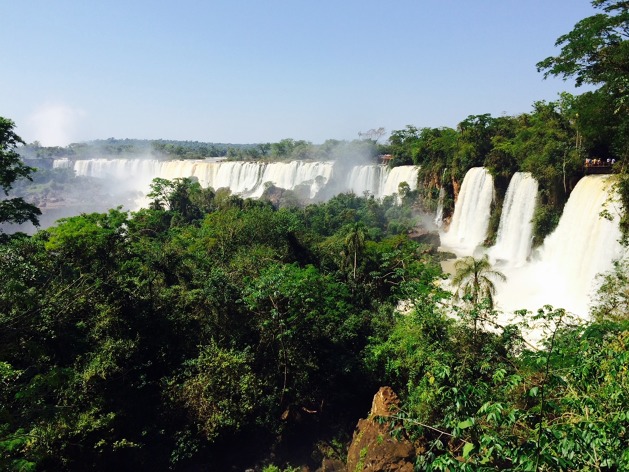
(469,447)
(465,424)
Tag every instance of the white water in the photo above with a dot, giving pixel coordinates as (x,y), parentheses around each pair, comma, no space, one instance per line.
(471,213)
(62,164)
(248,178)
(515,231)
(380,181)
(564,271)
(394,177)
(439,215)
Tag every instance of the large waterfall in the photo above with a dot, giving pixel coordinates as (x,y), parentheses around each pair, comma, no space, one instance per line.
(563,271)
(471,213)
(515,232)
(583,245)
(248,178)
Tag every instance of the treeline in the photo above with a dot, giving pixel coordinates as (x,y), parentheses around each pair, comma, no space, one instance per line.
(361,150)
(132,148)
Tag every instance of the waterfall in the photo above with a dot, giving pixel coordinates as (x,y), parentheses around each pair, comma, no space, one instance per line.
(289,175)
(380,181)
(247,178)
(440,200)
(471,213)
(365,179)
(515,231)
(137,172)
(583,245)
(439,215)
(394,177)
(64,163)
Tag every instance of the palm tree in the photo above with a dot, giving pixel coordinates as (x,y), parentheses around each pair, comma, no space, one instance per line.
(355,242)
(473,279)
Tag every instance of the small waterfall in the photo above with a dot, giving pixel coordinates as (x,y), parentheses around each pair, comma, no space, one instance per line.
(439,215)
(64,163)
(583,245)
(379,180)
(471,213)
(515,232)
(440,200)
(365,178)
(394,177)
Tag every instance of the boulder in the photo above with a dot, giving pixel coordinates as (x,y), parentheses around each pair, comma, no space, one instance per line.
(373,448)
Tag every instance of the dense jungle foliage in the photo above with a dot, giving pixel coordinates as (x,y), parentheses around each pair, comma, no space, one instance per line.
(214,332)
(204,329)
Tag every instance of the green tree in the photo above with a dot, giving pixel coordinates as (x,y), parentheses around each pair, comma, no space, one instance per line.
(355,244)
(596,51)
(474,143)
(218,389)
(13,210)
(474,279)
(403,145)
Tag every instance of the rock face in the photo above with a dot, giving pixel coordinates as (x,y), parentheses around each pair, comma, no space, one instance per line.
(373,448)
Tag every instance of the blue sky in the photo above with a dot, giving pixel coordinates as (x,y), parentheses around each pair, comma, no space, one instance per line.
(263,70)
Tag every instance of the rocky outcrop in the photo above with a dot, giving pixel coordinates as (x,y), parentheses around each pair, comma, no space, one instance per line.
(373,448)
(424,236)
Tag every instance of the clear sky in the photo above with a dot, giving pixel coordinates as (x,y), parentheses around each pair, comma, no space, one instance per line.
(244,71)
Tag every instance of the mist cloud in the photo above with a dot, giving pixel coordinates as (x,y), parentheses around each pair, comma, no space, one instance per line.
(55,124)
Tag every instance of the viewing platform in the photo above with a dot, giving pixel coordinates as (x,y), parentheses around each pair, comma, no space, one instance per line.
(598,166)
(385,158)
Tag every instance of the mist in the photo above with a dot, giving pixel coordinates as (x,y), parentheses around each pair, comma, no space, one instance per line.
(54,124)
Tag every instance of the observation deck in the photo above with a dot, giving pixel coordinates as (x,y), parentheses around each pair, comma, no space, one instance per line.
(598,166)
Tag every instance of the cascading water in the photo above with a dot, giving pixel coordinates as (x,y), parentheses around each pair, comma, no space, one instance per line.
(248,178)
(380,181)
(439,215)
(135,173)
(515,231)
(289,175)
(583,245)
(440,201)
(62,164)
(392,178)
(365,179)
(471,213)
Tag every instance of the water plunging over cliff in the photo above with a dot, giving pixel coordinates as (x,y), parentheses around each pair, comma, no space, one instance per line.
(471,213)
(249,178)
(439,215)
(564,271)
(515,232)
